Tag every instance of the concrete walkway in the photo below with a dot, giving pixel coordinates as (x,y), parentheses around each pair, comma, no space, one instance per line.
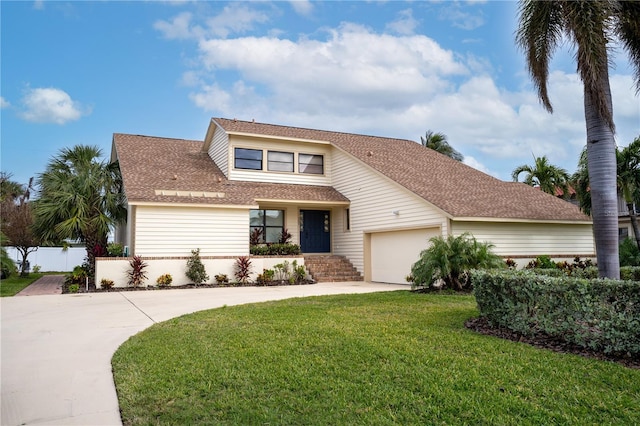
(48,284)
(56,349)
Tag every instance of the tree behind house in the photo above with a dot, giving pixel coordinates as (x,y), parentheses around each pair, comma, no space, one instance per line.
(80,197)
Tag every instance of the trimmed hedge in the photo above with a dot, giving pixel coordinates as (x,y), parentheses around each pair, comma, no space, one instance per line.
(274,249)
(603,315)
(627,273)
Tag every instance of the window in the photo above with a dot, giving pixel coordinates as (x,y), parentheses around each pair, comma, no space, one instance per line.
(347,220)
(280,161)
(310,163)
(250,159)
(270,222)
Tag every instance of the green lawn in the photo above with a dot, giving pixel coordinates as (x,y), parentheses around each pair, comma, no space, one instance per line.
(382,358)
(12,285)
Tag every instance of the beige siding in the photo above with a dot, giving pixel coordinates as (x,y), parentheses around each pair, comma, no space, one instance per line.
(281,177)
(175,231)
(219,150)
(373,199)
(524,239)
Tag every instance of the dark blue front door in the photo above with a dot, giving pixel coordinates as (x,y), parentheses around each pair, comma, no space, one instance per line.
(315,231)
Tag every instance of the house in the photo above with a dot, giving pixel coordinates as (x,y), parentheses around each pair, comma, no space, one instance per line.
(375,201)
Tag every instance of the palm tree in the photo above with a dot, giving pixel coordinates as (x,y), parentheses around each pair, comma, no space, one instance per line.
(546,176)
(80,198)
(438,142)
(590,25)
(580,182)
(628,160)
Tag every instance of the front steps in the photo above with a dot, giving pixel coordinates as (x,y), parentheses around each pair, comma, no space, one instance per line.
(331,268)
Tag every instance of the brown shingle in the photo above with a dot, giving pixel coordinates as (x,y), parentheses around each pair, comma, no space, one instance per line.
(151,163)
(459,190)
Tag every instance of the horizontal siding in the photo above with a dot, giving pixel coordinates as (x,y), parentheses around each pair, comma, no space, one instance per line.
(219,150)
(373,198)
(175,231)
(524,239)
(280,177)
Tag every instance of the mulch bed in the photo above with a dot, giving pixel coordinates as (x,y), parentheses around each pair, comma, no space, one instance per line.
(93,289)
(542,341)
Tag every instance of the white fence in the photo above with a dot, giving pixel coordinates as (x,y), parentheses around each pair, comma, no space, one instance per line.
(51,259)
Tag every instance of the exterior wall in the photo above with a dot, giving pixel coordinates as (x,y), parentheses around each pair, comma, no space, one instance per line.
(280,177)
(116,269)
(523,241)
(175,231)
(374,198)
(219,150)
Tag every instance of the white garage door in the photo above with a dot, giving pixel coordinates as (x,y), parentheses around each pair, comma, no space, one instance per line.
(393,253)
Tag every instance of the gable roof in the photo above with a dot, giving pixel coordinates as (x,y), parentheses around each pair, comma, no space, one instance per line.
(164,170)
(460,191)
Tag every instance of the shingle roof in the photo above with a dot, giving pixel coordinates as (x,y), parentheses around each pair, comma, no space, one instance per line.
(457,189)
(151,164)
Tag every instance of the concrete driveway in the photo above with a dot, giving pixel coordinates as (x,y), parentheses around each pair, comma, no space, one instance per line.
(56,349)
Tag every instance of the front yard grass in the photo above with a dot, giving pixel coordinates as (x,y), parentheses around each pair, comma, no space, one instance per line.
(15,283)
(381,358)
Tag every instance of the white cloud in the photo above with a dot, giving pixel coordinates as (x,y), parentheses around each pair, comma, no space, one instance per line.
(357,80)
(302,7)
(50,105)
(462,18)
(4,103)
(405,23)
(179,28)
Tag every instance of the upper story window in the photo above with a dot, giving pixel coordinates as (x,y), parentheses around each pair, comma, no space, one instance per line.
(280,161)
(311,163)
(248,159)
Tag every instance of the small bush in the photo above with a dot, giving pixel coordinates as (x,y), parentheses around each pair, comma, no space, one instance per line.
(542,262)
(243,269)
(195,268)
(299,272)
(77,276)
(115,250)
(265,277)
(221,279)
(137,274)
(629,253)
(74,288)
(36,269)
(449,261)
(106,283)
(164,280)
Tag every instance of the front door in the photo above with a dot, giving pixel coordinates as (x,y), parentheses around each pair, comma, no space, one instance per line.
(315,231)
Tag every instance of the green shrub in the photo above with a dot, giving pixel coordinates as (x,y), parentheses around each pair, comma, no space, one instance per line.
(74,288)
(137,274)
(164,280)
(195,268)
(106,283)
(221,278)
(542,262)
(450,260)
(115,250)
(629,253)
(602,315)
(265,277)
(77,276)
(274,249)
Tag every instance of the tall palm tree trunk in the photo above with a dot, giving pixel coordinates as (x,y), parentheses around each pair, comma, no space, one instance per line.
(601,157)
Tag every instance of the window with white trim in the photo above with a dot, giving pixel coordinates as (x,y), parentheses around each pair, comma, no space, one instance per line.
(250,159)
(280,161)
(311,163)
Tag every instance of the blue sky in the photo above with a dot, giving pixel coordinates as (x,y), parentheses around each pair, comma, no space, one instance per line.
(77,72)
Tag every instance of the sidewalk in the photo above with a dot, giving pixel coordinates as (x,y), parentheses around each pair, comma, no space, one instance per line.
(56,349)
(49,284)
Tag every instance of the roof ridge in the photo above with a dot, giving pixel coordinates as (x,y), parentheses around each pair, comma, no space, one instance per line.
(284,126)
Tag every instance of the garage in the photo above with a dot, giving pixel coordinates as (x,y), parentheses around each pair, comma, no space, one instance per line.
(394,252)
